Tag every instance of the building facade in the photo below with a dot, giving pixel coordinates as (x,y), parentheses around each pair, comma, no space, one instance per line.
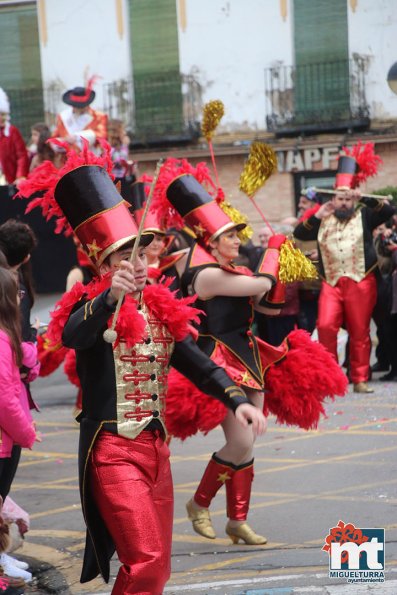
(307,77)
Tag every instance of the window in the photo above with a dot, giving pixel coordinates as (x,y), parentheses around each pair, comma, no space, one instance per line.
(322,82)
(155,66)
(20,68)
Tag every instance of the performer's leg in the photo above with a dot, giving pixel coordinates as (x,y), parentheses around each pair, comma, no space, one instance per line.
(330,317)
(359,302)
(240,444)
(238,494)
(215,475)
(132,485)
(237,451)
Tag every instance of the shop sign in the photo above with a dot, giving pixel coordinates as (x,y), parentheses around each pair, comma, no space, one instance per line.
(295,160)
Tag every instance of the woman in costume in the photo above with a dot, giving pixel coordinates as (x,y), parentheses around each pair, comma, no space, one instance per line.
(228,296)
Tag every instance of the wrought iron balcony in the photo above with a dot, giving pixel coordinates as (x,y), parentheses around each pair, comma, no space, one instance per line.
(323,96)
(158,109)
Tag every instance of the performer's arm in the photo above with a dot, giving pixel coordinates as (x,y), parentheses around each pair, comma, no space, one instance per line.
(378,211)
(272,301)
(211,281)
(87,321)
(308,230)
(190,361)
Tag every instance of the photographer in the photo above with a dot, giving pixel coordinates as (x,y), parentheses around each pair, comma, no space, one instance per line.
(386,245)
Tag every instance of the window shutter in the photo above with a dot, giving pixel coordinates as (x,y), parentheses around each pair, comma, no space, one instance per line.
(20,68)
(155,65)
(322,82)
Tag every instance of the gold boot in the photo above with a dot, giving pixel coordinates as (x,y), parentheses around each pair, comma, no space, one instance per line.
(245,533)
(362,387)
(201,520)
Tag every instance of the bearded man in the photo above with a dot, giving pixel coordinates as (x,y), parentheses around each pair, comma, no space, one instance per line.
(343,229)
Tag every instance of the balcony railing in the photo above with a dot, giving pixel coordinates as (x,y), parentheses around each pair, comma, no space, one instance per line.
(316,97)
(157,108)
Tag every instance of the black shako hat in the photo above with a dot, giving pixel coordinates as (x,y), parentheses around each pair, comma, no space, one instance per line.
(97,213)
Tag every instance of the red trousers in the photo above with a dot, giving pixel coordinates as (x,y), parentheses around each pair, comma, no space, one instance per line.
(349,303)
(132,486)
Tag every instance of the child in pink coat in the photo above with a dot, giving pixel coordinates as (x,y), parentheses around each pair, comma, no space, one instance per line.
(16,424)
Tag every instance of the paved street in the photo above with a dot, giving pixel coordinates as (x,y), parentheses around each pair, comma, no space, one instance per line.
(305,483)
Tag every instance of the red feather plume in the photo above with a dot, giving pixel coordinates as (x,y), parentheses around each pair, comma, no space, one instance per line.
(367,161)
(171,169)
(296,398)
(44,178)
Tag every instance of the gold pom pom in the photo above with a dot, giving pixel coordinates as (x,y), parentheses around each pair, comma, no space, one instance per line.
(237,217)
(261,163)
(213,112)
(294,265)
(110,335)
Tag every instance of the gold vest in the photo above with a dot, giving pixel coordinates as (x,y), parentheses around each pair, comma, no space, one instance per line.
(342,248)
(141,378)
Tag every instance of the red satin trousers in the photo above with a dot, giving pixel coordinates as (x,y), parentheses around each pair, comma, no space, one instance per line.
(349,303)
(132,486)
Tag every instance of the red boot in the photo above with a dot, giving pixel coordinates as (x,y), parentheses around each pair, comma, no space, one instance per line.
(215,475)
(238,494)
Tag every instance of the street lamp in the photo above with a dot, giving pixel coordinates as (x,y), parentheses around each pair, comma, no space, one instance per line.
(392,78)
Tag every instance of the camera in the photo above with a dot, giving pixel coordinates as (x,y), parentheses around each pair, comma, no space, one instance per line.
(391,239)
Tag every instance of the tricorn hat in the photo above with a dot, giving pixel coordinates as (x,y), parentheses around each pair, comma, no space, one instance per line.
(80,96)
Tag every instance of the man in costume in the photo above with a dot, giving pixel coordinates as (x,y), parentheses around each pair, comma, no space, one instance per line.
(343,229)
(14,161)
(125,479)
(79,120)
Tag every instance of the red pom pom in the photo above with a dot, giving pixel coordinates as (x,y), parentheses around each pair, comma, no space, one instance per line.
(296,397)
(45,177)
(188,410)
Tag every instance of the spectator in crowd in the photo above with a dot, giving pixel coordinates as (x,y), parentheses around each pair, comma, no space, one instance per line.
(387,247)
(382,310)
(119,141)
(16,424)
(14,160)
(17,242)
(80,121)
(36,130)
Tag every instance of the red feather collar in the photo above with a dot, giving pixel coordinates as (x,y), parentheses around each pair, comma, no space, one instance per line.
(176,314)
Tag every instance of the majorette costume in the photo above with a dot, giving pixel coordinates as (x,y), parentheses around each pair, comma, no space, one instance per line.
(125,479)
(225,334)
(348,262)
(90,125)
